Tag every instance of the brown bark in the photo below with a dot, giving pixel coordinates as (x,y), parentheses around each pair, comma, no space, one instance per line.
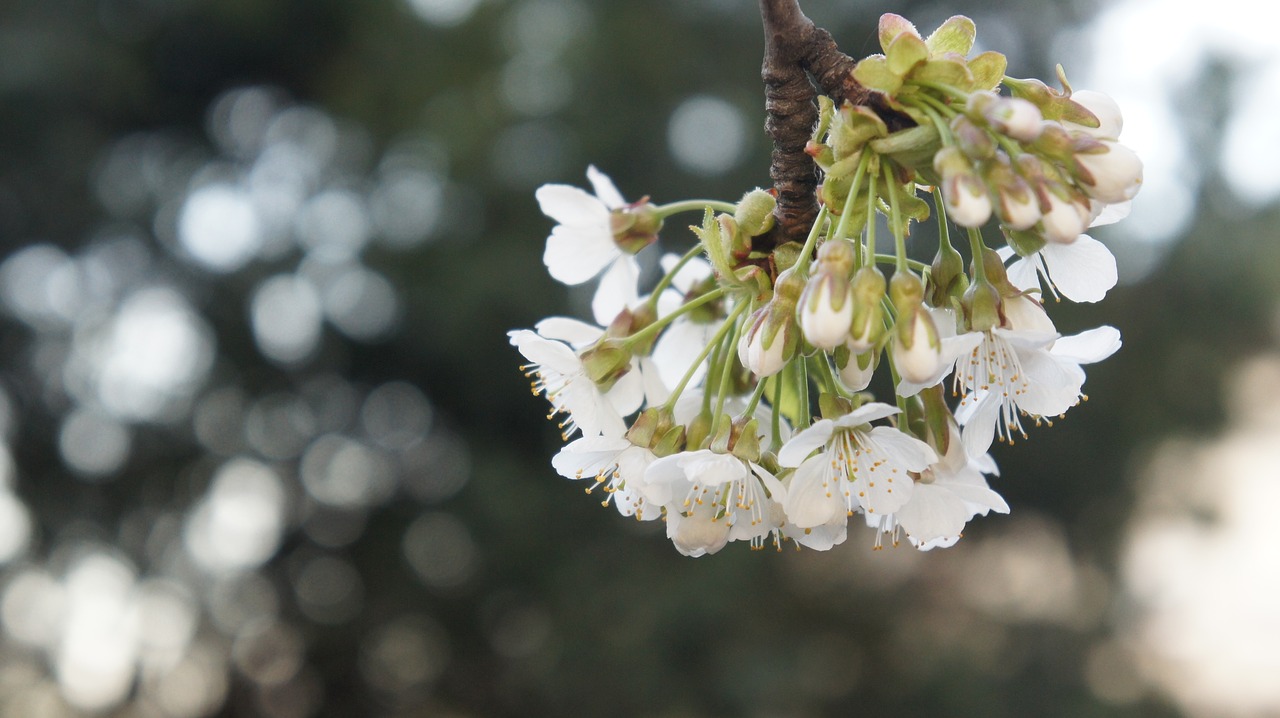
(797,56)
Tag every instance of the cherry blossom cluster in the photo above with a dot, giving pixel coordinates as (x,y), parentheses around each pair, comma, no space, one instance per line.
(736,399)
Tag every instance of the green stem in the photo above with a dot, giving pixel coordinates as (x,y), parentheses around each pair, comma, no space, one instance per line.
(870,248)
(694,205)
(842,228)
(944,88)
(726,368)
(670,276)
(944,232)
(649,331)
(810,241)
(728,324)
(775,421)
(802,383)
(895,224)
(823,367)
(755,400)
(912,263)
(976,245)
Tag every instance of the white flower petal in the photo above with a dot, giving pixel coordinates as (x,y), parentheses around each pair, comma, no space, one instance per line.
(803,443)
(814,496)
(1112,213)
(978,416)
(544,352)
(627,393)
(617,290)
(678,346)
(574,332)
(905,451)
(604,188)
(933,512)
(575,254)
(1082,271)
(1090,346)
(571,206)
(588,456)
(1025,273)
(866,414)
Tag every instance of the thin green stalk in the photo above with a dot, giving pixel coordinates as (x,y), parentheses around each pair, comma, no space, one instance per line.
(944,231)
(942,87)
(842,227)
(694,205)
(670,276)
(729,323)
(802,375)
(870,247)
(825,376)
(726,368)
(775,421)
(811,240)
(977,246)
(912,263)
(754,401)
(649,331)
(895,224)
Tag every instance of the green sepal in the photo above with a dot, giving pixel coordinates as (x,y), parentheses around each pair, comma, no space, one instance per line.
(938,418)
(904,53)
(832,406)
(1025,242)
(891,26)
(720,443)
(746,443)
(955,35)
(945,71)
(698,431)
(672,442)
(922,138)
(987,69)
(874,74)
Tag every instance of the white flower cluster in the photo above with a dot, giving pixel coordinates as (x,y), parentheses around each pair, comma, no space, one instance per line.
(732,400)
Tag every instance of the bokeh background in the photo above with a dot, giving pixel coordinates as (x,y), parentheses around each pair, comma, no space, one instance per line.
(266,451)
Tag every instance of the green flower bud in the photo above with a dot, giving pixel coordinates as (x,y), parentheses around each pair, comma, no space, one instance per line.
(868,311)
(754,214)
(606,362)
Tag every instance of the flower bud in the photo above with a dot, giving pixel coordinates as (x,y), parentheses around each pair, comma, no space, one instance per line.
(972,140)
(917,348)
(963,193)
(1109,172)
(755,212)
(868,312)
(858,369)
(1015,117)
(1016,205)
(1067,217)
(606,363)
(982,306)
(946,277)
(826,306)
(635,226)
(771,336)
(1110,122)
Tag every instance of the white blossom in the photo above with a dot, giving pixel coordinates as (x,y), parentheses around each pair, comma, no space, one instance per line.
(857,468)
(712,499)
(616,466)
(558,374)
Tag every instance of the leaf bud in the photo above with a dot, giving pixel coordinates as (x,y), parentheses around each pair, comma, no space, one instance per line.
(754,214)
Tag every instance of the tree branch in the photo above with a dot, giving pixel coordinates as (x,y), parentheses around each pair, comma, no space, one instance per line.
(791,115)
(798,55)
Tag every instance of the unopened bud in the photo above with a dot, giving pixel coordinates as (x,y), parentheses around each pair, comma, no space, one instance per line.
(755,212)
(1016,204)
(1015,117)
(964,194)
(1109,172)
(868,311)
(825,310)
(972,140)
(857,369)
(1067,216)
(917,348)
(946,277)
(635,226)
(1101,106)
(606,363)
